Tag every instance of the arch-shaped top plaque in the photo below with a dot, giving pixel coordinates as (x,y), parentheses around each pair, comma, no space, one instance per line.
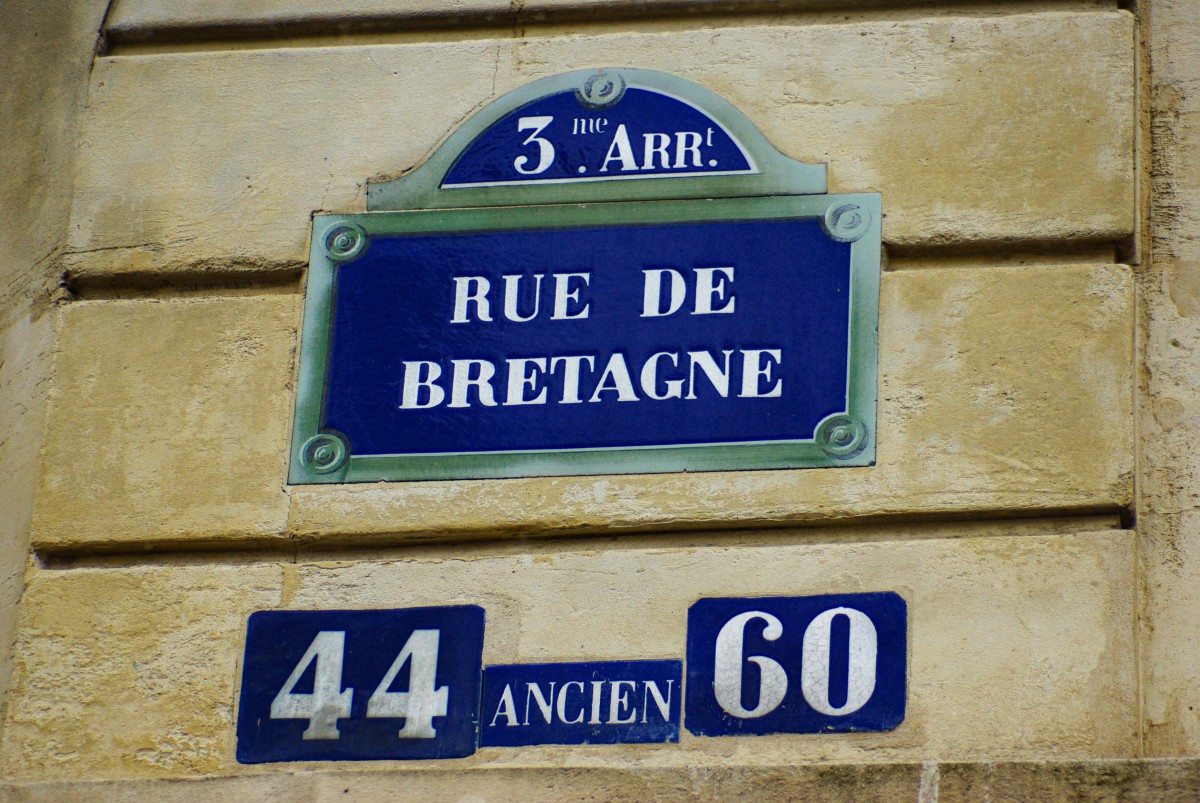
(613,134)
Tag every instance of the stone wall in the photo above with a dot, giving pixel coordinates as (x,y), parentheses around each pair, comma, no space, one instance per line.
(1034,492)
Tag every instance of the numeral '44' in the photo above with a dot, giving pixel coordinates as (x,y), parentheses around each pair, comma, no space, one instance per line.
(328,703)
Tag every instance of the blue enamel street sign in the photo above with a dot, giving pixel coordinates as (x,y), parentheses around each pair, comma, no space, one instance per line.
(562,137)
(817,664)
(373,684)
(539,300)
(581,703)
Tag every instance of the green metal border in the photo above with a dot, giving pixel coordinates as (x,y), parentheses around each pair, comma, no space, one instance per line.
(777,174)
(844,439)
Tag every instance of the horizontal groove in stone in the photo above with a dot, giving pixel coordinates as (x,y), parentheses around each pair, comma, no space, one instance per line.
(467,544)
(333,25)
(184,283)
(202,281)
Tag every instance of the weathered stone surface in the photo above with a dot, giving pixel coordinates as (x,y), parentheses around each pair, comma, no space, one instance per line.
(1130,780)
(1021,645)
(131,17)
(181,19)
(168,420)
(953,119)
(1000,390)
(1147,780)
(48,47)
(1168,515)
(833,783)
(130,672)
(24,366)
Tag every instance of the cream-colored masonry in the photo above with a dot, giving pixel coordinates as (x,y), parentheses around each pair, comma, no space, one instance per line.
(971,128)
(1006,390)
(1021,643)
(1001,390)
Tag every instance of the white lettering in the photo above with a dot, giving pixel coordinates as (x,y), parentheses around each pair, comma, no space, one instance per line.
(328,702)
(687,142)
(717,377)
(655,144)
(618,700)
(462,382)
(512,297)
(650,378)
(727,667)
(597,687)
(618,372)
(570,392)
(471,290)
(624,151)
(424,699)
(563,294)
(652,292)
(814,680)
(410,396)
(708,288)
(663,703)
(545,147)
(535,691)
(520,377)
(754,371)
(562,703)
(507,708)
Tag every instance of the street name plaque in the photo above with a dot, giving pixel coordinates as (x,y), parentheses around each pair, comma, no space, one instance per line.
(602,272)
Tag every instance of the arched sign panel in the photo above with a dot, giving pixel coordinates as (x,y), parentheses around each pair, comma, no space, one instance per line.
(639,133)
(601,272)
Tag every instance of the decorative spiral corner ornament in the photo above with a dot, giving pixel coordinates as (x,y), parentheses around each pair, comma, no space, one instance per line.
(847,222)
(601,90)
(324,453)
(841,437)
(345,241)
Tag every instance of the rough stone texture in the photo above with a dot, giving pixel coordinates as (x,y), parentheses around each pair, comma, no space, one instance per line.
(953,119)
(1098,781)
(834,783)
(168,420)
(47,47)
(1000,390)
(192,19)
(1169,516)
(1004,391)
(1132,780)
(133,17)
(1153,781)
(1021,645)
(130,672)
(192,401)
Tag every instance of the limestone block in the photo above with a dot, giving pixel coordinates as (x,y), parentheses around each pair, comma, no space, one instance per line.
(1169,482)
(130,672)
(168,420)
(1021,645)
(831,784)
(1001,390)
(215,160)
(132,19)
(139,19)
(24,370)
(1123,779)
